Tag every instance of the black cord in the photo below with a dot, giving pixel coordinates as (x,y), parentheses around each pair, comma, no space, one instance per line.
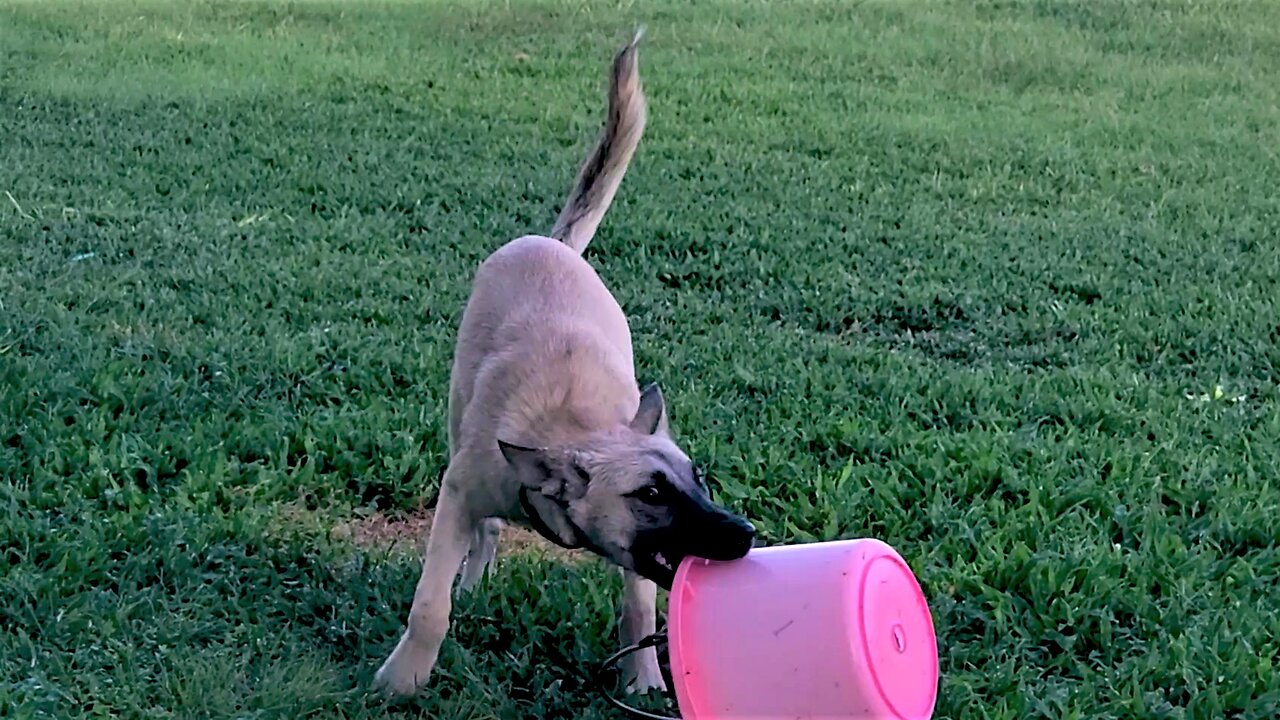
(599,681)
(647,642)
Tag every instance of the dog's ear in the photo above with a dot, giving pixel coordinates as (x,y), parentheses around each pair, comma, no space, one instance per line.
(538,470)
(531,466)
(551,492)
(651,417)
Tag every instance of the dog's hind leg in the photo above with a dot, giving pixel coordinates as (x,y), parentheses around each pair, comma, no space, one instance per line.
(484,546)
(410,664)
(639,619)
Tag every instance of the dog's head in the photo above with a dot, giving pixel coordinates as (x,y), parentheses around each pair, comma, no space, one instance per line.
(629,494)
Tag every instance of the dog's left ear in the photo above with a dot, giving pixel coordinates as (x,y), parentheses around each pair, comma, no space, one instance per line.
(651,417)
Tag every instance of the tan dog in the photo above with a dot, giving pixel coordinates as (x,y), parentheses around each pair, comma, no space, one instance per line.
(548,428)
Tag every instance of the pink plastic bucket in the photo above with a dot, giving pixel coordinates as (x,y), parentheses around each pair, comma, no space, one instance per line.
(816,631)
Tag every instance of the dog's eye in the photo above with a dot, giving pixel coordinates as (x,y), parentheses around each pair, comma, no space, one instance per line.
(647,494)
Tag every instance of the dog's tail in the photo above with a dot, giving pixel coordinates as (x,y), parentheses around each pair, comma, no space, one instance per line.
(600,175)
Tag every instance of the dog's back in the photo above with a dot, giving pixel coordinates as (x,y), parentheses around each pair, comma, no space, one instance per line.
(537,294)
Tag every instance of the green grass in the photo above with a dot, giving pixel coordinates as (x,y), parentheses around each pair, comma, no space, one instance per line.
(942,274)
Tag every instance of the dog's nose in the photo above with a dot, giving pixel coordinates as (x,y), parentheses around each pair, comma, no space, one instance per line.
(744,537)
(720,535)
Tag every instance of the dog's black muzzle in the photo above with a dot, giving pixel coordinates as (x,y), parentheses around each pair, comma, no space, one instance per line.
(700,529)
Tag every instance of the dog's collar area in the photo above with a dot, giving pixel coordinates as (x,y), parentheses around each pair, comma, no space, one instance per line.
(542,528)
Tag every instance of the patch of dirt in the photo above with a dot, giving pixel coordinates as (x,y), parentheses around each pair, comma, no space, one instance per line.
(409,534)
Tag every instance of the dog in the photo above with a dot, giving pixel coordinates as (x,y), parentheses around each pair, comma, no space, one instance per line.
(549,428)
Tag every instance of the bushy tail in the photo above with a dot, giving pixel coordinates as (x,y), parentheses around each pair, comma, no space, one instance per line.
(600,175)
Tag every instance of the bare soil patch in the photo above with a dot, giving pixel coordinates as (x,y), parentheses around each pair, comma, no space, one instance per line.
(409,533)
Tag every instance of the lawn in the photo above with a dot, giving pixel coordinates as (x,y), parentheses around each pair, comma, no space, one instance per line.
(995,282)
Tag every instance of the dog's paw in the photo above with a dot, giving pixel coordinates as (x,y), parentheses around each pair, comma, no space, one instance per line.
(644,687)
(395,681)
(645,677)
(405,671)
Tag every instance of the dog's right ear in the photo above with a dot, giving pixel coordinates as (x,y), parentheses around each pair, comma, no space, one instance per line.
(534,468)
(531,466)
(547,504)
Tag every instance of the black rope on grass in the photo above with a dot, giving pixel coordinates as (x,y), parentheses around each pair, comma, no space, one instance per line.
(659,638)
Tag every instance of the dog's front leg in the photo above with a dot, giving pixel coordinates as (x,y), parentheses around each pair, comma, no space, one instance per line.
(639,620)
(410,664)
